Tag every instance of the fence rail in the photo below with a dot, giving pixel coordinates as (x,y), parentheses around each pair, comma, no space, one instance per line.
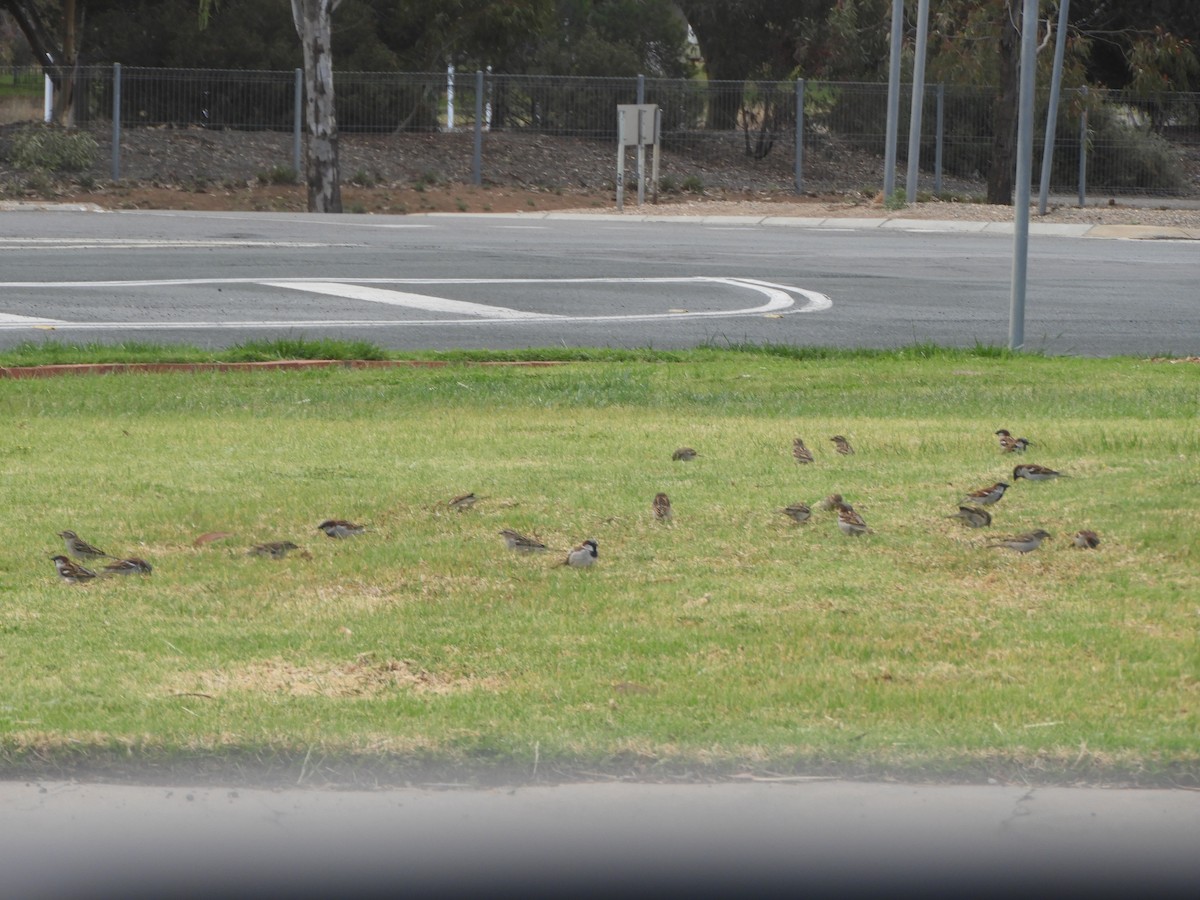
(736,135)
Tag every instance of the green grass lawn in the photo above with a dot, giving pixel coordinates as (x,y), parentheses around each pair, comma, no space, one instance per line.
(728,639)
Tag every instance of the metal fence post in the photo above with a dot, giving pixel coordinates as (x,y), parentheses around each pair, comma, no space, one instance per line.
(297,117)
(116,123)
(641,89)
(477,149)
(798,175)
(1083,132)
(937,146)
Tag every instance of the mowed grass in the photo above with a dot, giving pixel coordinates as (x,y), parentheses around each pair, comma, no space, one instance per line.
(731,638)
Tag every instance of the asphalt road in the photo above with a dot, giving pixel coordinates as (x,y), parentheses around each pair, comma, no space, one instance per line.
(443,282)
(84,841)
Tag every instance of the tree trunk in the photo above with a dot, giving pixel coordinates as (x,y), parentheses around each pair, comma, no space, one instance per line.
(314,25)
(1001,175)
(38,30)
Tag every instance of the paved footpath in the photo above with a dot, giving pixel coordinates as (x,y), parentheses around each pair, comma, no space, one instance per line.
(92,840)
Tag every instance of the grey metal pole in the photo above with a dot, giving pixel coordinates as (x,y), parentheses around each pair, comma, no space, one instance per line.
(116,123)
(641,89)
(297,117)
(918,98)
(1060,43)
(799,163)
(1083,133)
(640,154)
(941,133)
(477,150)
(893,101)
(1016,319)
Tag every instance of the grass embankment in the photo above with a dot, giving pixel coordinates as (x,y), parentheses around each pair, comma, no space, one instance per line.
(728,639)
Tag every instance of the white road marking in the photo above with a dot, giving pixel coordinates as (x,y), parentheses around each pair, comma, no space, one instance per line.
(779,300)
(19,243)
(12,319)
(407,300)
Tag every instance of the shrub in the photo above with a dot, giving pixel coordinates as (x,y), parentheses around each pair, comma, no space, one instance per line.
(50,148)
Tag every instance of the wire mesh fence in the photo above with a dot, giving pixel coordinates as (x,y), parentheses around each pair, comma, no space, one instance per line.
(561,131)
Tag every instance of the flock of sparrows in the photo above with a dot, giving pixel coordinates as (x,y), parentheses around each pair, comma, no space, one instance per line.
(971,512)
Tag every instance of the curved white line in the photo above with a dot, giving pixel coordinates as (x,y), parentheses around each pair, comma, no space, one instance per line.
(780,300)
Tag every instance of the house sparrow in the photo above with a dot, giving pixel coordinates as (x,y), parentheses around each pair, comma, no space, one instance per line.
(851,522)
(842,445)
(521,543)
(273,549)
(1023,543)
(684,454)
(582,556)
(71,573)
(662,507)
(797,512)
(463,502)
(802,453)
(830,502)
(81,549)
(1010,444)
(132,566)
(340,528)
(973,516)
(1035,472)
(986,496)
(1086,539)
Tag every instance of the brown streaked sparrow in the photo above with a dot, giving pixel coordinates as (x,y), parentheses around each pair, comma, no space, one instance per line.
(582,556)
(463,502)
(70,572)
(521,543)
(1034,472)
(851,522)
(986,496)
(1010,444)
(797,512)
(684,454)
(973,516)
(662,507)
(1023,543)
(1086,539)
(81,549)
(830,502)
(273,549)
(842,445)
(802,453)
(340,528)
(134,565)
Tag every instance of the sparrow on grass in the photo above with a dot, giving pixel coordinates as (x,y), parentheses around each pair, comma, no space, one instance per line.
(802,453)
(134,565)
(797,512)
(81,549)
(582,556)
(986,496)
(340,528)
(973,516)
(1035,472)
(521,543)
(273,549)
(463,502)
(851,522)
(684,454)
(70,572)
(1023,543)
(662,507)
(830,503)
(1086,539)
(842,445)
(1010,444)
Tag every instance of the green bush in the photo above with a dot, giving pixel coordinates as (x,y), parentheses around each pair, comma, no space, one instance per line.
(50,148)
